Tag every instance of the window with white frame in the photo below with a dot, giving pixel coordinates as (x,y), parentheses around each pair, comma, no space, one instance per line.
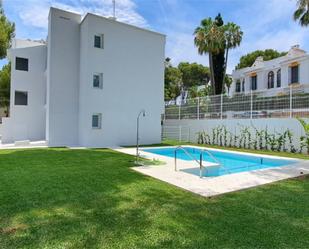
(96,121)
(21,64)
(21,98)
(237,86)
(99,41)
(97,81)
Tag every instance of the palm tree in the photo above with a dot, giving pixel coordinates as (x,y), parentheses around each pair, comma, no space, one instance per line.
(209,39)
(233,37)
(302,12)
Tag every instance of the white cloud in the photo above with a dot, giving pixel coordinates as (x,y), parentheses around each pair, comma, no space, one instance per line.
(35,12)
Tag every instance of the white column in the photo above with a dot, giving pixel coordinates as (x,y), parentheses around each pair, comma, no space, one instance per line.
(291,101)
(251,103)
(221,106)
(198,108)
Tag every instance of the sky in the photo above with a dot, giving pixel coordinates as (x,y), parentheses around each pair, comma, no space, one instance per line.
(265,23)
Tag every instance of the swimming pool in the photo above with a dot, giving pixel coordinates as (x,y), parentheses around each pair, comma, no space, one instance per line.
(229,162)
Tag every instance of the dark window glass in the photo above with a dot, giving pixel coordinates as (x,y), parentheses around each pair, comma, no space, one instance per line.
(243,85)
(294,74)
(96,80)
(279,78)
(237,86)
(96,121)
(21,64)
(97,41)
(253,82)
(21,98)
(271,79)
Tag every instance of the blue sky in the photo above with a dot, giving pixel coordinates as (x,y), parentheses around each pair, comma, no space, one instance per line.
(265,23)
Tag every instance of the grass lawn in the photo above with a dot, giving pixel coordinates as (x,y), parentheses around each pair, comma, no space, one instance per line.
(61,198)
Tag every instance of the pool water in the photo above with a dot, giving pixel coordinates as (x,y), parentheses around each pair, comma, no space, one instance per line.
(229,162)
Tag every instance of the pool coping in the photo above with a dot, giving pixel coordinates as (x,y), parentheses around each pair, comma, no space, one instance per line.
(212,186)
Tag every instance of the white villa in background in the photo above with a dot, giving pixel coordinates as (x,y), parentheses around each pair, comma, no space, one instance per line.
(86,85)
(274,75)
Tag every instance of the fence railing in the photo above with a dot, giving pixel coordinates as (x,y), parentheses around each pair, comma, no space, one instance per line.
(292,101)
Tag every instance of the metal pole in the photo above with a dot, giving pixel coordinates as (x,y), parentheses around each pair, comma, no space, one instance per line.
(291,101)
(137,134)
(137,131)
(221,105)
(114,8)
(179,134)
(198,108)
(201,165)
(179,111)
(251,104)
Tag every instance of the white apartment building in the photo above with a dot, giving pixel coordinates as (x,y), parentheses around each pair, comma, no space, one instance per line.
(273,75)
(86,85)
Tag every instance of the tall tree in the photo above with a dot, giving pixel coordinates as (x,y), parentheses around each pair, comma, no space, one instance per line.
(233,38)
(193,74)
(268,54)
(7,32)
(5,78)
(302,12)
(216,39)
(218,58)
(172,81)
(209,40)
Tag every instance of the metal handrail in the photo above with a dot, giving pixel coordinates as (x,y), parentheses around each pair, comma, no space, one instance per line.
(211,155)
(199,162)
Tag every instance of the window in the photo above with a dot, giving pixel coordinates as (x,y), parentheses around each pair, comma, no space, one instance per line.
(21,64)
(98,80)
(21,98)
(96,121)
(243,85)
(99,41)
(254,82)
(279,78)
(271,80)
(294,74)
(237,86)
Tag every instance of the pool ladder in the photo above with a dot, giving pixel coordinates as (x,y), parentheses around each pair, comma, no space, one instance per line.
(199,162)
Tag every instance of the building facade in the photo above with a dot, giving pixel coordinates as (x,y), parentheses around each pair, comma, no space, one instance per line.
(274,75)
(86,85)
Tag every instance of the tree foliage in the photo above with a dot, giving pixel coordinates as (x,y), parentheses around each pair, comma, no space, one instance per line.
(193,74)
(302,12)
(5,79)
(268,54)
(215,38)
(185,76)
(7,32)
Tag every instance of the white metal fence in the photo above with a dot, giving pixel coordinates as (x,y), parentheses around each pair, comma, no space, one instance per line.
(292,101)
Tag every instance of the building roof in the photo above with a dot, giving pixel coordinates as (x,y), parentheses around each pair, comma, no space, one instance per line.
(294,53)
(114,20)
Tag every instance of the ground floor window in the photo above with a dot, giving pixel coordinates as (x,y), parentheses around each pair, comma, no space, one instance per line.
(21,98)
(294,74)
(271,79)
(253,82)
(279,78)
(237,86)
(96,121)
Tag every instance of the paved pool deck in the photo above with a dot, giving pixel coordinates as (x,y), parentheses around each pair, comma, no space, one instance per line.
(211,186)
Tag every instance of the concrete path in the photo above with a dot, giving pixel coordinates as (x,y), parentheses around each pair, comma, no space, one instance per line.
(211,186)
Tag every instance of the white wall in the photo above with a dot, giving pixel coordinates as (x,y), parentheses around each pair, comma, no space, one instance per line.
(273,125)
(63,78)
(27,122)
(132,63)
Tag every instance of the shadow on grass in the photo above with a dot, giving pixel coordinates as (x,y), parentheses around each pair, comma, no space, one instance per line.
(60,198)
